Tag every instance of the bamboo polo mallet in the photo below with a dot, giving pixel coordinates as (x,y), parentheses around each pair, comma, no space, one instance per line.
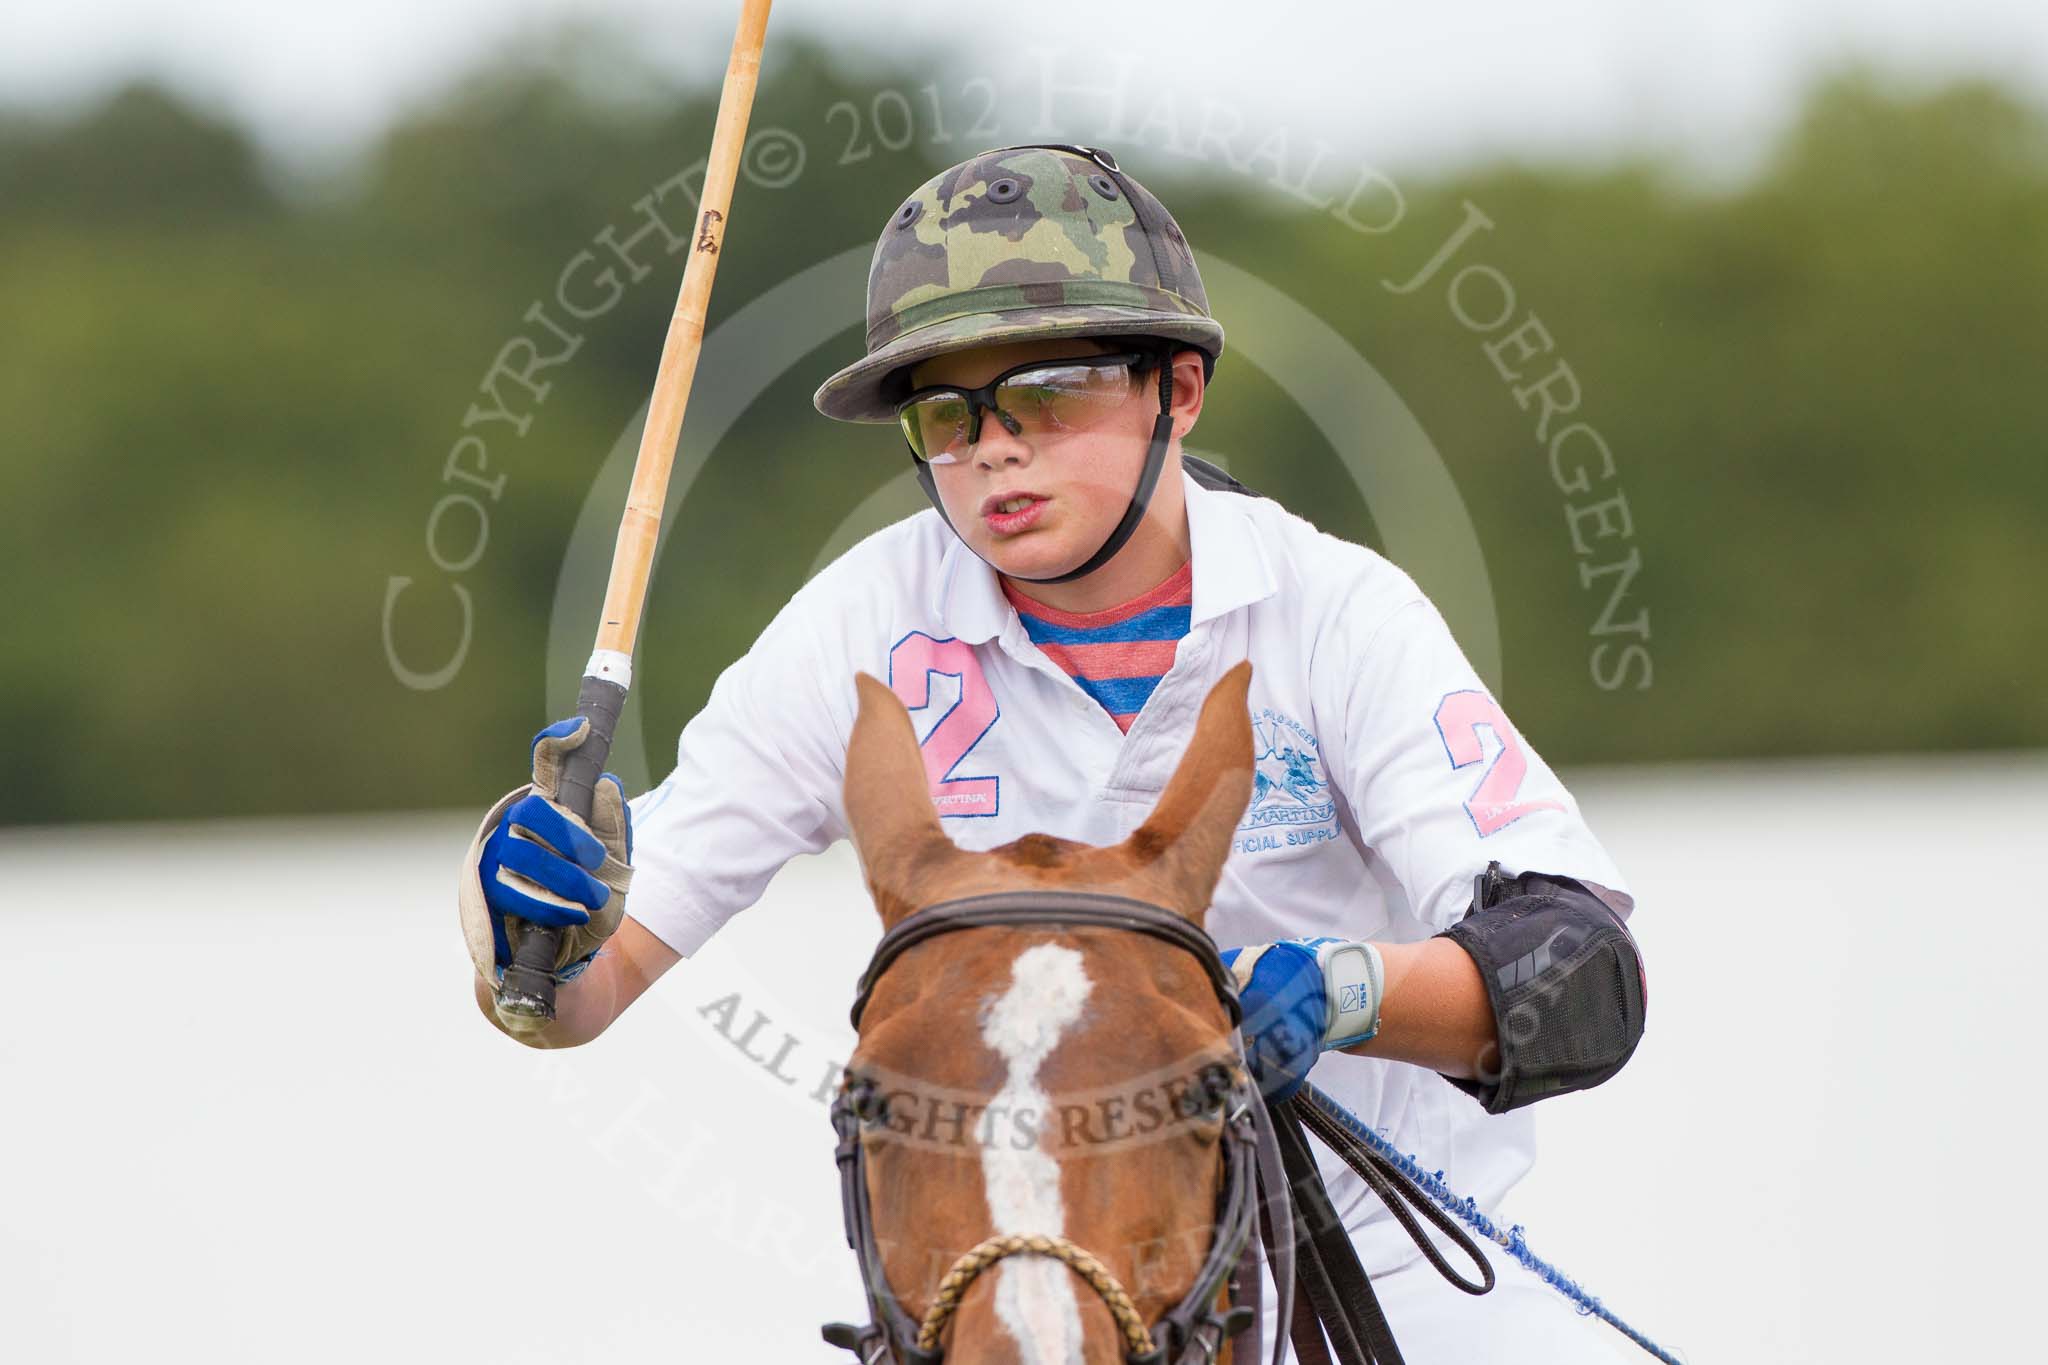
(526,997)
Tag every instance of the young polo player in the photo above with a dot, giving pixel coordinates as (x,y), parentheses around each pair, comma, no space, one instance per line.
(1430,924)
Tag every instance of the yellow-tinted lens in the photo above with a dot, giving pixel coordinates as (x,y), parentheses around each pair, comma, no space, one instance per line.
(936,426)
(1050,399)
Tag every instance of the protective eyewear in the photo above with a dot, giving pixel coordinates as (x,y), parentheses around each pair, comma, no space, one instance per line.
(942,422)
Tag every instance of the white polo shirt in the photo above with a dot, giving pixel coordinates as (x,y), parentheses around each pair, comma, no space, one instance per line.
(1386,777)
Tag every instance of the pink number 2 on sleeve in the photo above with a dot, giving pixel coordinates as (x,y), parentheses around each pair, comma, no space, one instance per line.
(1492,804)
(912,663)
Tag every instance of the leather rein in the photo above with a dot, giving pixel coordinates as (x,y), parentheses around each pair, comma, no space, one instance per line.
(1270,1185)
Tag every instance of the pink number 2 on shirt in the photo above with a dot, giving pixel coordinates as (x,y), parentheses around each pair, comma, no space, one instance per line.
(912,663)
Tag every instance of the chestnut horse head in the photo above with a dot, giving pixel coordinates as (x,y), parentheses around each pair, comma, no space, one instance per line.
(1061,1081)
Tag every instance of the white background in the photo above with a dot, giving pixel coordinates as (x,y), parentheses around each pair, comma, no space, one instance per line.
(251,1114)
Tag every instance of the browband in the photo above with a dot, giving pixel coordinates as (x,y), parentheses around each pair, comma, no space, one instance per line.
(1052,910)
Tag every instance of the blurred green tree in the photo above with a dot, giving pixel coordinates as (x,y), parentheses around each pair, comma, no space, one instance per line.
(226,414)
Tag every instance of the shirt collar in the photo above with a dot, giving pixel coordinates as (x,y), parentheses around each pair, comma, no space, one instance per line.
(1231,566)
(1231,570)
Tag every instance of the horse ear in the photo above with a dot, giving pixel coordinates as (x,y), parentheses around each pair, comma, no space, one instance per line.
(889,805)
(1187,837)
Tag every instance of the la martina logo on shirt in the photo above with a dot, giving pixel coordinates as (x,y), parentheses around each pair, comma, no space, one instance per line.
(1291,803)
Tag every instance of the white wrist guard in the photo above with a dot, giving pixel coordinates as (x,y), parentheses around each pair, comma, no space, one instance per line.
(1354,979)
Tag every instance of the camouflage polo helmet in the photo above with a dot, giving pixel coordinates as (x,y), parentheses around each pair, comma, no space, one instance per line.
(1018,244)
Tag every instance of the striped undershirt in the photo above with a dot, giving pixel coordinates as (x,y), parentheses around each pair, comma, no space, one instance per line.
(1117,654)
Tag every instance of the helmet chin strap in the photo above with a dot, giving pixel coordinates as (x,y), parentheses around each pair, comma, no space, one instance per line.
(1141,496)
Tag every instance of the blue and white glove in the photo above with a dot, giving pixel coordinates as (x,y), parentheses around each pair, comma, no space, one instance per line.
(1302,997)
(534,862)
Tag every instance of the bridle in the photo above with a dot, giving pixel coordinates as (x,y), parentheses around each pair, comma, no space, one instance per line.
(1196,1327)
(1271,1184)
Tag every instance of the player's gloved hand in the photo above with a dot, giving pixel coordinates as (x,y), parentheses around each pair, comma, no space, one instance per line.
(1301,997)
(534,862)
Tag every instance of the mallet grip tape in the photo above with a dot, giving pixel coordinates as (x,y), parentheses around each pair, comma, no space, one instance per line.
(527,992)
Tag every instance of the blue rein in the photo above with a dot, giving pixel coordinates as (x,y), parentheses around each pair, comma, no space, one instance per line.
(1467,1211)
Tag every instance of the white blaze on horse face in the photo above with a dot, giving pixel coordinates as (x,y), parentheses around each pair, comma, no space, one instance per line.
(1034,1296)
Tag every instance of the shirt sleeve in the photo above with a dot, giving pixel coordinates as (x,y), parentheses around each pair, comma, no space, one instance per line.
(1437,778)
(757,781)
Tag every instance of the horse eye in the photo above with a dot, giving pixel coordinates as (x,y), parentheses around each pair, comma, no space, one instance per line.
(864,1097)
(1216,1084)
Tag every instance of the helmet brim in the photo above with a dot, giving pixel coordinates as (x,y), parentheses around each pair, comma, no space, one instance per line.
(855,394)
